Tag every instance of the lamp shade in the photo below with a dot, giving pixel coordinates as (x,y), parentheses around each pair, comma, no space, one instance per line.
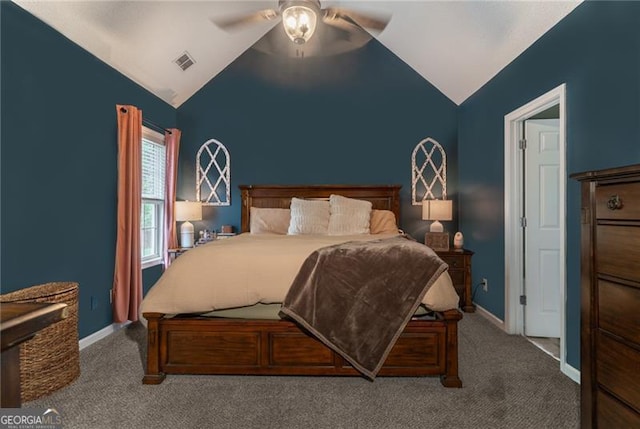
(437,210)
(188,210)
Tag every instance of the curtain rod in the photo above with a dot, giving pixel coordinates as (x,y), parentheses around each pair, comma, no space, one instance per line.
(148,122)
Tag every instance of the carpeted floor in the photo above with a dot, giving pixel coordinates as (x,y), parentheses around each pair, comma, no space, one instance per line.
(508,383)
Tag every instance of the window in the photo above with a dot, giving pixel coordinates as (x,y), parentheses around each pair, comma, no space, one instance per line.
(153,196)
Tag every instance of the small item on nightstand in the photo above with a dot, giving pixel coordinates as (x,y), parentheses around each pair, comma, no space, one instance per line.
(206,236)
(223,235)
(458,241)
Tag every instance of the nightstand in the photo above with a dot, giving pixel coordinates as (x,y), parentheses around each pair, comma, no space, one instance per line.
(459,262)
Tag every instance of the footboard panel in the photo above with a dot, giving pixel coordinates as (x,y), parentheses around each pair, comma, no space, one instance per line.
(277,347)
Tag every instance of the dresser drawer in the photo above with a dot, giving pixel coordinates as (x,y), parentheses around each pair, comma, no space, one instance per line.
(618,369)
(619,310)
(613,414)
(627,193)
(618,251)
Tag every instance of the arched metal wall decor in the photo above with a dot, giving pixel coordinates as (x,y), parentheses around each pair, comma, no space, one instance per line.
(431,175)
(215,181)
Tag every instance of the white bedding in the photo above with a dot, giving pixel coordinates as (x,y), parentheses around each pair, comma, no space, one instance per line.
(249,269)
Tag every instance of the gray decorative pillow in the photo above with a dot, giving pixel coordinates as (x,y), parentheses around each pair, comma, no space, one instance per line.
(309,217)
(349,216)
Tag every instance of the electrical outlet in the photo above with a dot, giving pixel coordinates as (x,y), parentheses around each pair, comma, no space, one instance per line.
(485,285)
(94,303)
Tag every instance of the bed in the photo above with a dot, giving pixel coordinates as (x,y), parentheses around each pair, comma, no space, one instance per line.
(194,344)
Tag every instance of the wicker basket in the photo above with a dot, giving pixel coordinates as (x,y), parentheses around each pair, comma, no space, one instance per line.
(51,359)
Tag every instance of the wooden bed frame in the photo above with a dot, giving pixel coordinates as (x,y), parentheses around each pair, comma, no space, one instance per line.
(200,345)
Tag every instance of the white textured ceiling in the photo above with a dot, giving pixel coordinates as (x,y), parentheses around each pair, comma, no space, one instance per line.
(457,46)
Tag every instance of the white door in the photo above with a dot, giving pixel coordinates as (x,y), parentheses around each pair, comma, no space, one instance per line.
(542,232)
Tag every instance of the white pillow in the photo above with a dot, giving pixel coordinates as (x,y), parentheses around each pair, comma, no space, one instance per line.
(308,217)
(349,216)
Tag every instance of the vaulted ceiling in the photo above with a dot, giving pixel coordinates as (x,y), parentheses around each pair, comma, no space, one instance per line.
(457,46)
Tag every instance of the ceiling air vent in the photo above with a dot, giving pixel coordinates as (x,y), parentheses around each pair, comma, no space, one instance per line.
(185,61)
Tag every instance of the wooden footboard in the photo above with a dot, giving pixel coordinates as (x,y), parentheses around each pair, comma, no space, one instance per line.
(196,345)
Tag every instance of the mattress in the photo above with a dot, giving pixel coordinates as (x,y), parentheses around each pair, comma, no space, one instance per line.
(252,269)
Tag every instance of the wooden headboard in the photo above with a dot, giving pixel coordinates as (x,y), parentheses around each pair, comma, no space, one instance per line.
(383,197)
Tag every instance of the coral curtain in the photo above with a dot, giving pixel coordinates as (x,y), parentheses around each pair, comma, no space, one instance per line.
(172,143)
(127,279)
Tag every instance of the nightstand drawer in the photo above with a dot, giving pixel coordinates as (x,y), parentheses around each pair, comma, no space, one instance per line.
(454,261)
(457,277)
(459,262)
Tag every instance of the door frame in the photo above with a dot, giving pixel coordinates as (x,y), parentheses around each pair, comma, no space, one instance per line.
(513,132)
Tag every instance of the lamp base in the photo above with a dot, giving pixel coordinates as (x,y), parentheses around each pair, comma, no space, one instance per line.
(186,234)
(436,226)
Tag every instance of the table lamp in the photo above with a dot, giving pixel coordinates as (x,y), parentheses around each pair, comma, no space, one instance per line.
(186,211)
(437,210)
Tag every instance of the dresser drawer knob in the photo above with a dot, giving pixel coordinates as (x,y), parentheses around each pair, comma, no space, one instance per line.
(614,203)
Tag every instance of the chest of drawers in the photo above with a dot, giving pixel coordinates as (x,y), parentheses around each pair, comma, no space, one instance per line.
(610,298)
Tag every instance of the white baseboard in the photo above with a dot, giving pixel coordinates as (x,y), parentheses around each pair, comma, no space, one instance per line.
(489,316)
(565,368)
(570,372)
(102,333)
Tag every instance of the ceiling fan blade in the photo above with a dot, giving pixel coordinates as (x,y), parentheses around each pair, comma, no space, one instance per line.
(342,27)
(235,22)
(334,14)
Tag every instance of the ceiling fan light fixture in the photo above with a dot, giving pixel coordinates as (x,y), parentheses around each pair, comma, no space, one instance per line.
(299,22)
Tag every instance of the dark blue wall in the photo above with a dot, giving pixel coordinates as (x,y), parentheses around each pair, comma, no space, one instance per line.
(59,162)
(352,118)
(596,51)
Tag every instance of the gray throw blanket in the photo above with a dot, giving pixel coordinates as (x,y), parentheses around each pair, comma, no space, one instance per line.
(357,297)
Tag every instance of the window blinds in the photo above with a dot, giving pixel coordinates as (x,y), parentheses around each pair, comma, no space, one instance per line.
(153,170)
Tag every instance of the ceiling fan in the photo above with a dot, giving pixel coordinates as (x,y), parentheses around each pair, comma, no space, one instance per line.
(338,29)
